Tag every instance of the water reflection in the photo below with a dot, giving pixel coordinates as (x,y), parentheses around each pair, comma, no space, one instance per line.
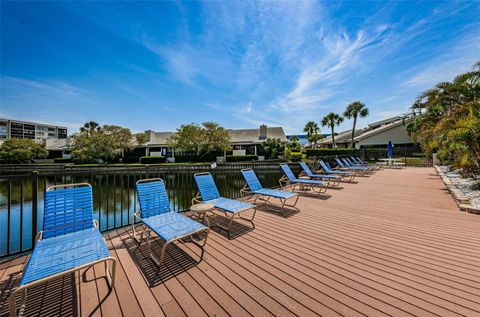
(113,195)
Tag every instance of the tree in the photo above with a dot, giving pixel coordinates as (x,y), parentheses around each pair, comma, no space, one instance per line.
(450,121)
(331,120)
(354,110)
(314,138)
(90,126)
(294,146)
(107,143)
(20,150)
(293,138)
(141,138)
(209,137)
(311,128)
(273,147)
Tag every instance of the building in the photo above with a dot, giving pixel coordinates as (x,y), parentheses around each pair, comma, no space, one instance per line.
(54,137)
(243,141)
(30,130)
(375,134)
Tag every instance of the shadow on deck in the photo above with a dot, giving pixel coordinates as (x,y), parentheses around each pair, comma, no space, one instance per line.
(393,244)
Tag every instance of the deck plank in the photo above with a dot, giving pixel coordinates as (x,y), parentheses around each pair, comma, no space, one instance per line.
(394,243)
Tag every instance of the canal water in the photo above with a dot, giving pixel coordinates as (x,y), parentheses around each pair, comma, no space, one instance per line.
(114,198)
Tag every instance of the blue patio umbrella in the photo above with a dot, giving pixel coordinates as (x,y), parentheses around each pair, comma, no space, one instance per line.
(390,149)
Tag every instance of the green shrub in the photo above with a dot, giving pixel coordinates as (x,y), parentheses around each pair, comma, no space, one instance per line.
(241,158)
(295,156)
(330,152)
(152,159)
(62,160)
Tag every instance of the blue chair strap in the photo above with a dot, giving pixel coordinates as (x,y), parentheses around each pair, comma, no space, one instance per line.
(324,166)
(251,179)
(152,196)
(206,186)
(288,172)
(68,208)
(306,169)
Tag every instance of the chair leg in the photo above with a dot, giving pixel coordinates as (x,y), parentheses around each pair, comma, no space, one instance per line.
(111,274)
(135,234)
(12,304)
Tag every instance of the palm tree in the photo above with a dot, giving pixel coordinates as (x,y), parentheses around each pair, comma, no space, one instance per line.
(449,121)
(311,128)
(354,110)
(90,126)
(293,138)
(331,120)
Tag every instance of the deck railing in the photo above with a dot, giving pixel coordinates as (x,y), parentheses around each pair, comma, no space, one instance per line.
(22,194)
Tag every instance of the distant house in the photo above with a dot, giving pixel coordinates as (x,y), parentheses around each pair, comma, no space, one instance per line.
(243,141)
(377,133)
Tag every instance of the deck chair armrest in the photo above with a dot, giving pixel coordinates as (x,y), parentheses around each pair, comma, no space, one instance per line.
(197,199)
(137,214)
(39,236)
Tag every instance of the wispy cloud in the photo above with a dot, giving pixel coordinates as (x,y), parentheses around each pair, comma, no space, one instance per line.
(459,58)
(28,86)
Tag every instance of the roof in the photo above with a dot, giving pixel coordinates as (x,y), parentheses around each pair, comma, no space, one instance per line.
(371,129)
(385,121)
(253,135)
(380,129)
(158,137)
(342,137)
(56,144)
(236,135)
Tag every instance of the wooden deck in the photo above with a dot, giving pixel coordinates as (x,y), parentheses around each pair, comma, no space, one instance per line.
(393,244)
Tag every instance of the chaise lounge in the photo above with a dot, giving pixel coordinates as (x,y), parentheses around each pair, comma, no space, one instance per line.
(232,209)
(255,188)
(332,180)
(317,187)
(70,241)
(347,176)
(156,215)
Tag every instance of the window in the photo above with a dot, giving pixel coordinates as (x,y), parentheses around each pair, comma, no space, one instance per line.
(51,129)
(40,133)
(52,134)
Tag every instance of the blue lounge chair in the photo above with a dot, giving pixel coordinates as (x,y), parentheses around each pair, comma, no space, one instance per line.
(351,164)
(157,216)
(70,241)
(255,188)
(358,161)
(332,180)
(362,163)
(289,178)
(347,176)
(232,209)
(343,166)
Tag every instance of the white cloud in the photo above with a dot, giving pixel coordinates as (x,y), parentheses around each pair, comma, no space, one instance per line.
(458,59)
(249,107)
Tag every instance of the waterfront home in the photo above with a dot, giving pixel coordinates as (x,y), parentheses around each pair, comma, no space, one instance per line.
(243,141)
(377,133)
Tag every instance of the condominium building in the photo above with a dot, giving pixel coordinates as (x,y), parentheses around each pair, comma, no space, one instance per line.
(30,130)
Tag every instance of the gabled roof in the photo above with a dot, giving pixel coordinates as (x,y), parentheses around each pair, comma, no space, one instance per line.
(57,144)
(380,129)
(253,135)
(342,137)
(236,136)
(160,138)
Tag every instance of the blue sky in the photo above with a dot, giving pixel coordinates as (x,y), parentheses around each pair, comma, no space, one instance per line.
(156,65)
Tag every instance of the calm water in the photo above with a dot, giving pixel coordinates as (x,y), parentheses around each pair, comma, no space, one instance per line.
(113,197)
